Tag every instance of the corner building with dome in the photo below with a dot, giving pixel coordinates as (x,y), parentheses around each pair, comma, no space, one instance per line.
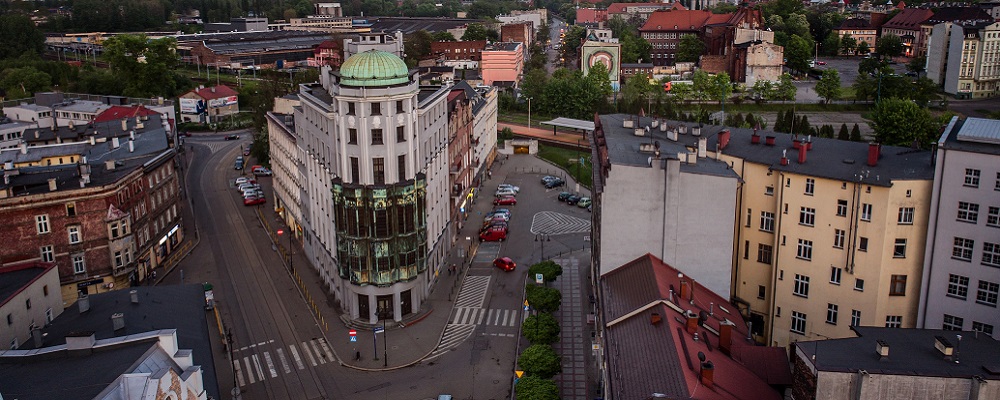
(374,199)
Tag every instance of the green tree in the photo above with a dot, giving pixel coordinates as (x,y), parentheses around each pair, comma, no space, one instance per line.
(543,299)
(828,86)
(540,360)
(24,82)
(924,91)
(763,90)
(536,388)
(864,48)
(417,46)
(782,8)
(786,88)
(549,269)
(535,82)
(598,80)
(18,35)
(831,45)
(916,65)
(798,25)
(443,36)
(636,93)
(541,328)
(848,44)
(856,133)
(901,122)
(889,45)
(799,53)
(843,134)
(826,131)
(690,48)
(724,8)
(476,32)
(570,50)
(147,67)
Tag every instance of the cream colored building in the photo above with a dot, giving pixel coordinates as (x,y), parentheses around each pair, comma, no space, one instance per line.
(285,160)
(827,237)
(33,301)
(971,65)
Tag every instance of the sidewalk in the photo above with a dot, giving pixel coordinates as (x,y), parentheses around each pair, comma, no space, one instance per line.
(546,134)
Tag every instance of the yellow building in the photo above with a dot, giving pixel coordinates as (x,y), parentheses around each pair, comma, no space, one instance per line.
(829,233)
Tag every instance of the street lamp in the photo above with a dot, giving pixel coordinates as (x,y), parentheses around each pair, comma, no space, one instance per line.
(542,237)
(383,314)
(229,346)
(282,232)
(529,112)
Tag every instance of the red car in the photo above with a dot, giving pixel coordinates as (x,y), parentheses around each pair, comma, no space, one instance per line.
(252,201)
(820,62)
(505,263)
(506,201)
(496,233)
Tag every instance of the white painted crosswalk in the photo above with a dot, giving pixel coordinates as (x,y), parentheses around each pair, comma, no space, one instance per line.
(268,361)
(479,316)
(553,223)
(473,292)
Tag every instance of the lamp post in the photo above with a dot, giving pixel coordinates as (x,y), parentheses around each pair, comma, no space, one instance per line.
(229,346)
(578,160)
(383,314)
(542,237)
(529,112)
(282,232)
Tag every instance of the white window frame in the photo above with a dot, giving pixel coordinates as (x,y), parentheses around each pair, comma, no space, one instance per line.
(807,216)
(987,293)
(838,238)
(801,286)
(767,221)
(899,248)
(982,327)
(798,323)
(958,286)
(42,224)
(804,250)
(48,254)
(859,284)
(836,275)
(832,313)
(962,249)
(75,235)
(866,212)
(893,321)
(810,186)
(971,177)
(841,208)
(993,217)
(855,317)
(905,216)
(968,212)
(952,323)
(79,262)
(991,254)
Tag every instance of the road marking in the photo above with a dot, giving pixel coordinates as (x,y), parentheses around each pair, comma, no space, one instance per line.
(453,336)
(319,355)
(270,365)
(256,363)
(513,319)
(326,350)
(305,349)
(473,292)
(295,355)
(284,362)
(239,372)
(554,223)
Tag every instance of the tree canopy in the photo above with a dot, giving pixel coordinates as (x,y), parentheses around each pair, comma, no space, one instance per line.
(690,48)
(540,360)
(541,328)
(479,32)
(889,45)
(902,122)
(798,51)
(18,35)
(828,86)
(145,66)
(536,388)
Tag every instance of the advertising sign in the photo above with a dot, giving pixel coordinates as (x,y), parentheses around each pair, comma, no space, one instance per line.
(223,101)
(189,106)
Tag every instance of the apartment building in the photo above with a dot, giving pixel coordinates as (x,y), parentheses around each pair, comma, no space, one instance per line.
(29,300)
(502,62)
(965,59)
(961,274)
(286,180)
(829,234)
(907,25)
(859,29)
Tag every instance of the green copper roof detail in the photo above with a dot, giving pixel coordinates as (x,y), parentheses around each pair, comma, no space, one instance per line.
(374,68)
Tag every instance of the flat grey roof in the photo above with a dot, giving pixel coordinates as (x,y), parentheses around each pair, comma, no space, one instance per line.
(911,352)
(12,282)
(571,123)
(980,130)
(973,135)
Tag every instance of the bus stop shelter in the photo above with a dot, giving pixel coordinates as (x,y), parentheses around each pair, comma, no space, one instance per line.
(577,124)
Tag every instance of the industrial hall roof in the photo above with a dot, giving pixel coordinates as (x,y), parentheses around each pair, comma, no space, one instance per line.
(374,68)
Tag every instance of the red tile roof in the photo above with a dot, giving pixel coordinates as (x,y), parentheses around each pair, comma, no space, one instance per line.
(649,349)
(909,18)
(121,112)
(330,44)
(593,15)
(682,20)
(219,92)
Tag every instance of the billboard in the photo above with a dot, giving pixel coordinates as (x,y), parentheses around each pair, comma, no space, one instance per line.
(189,106)
(223,101)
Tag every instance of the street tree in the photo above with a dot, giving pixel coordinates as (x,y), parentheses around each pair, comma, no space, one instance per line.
(541,328)
(901,122)
(24,82)
(828,86)
(798,52)
(923,91)
(798,24)
(540,360)
(831,45)
(536,388)
(636,92)
(763,90)
(917,64)
(443,36)
(476,32)
(549,269)
(786,88)
(864,48)
(597,87)
(543,299)
(848,44)
(690,48)
(889,45)
(145,66)
(18,35)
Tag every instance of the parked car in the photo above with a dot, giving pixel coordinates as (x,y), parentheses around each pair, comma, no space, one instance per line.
(516,189)
(493,234)
(564,195)
(239,164)
(505,193)
(505,201)
(584,202)
(246,151)
(571,200)
(252,192)
(547,178)
(252,201)
(555,183)
(497,216)
(232,137)
(241,180)
(261,171)
(501,224)
(505,263)
(494,221)
(247,185)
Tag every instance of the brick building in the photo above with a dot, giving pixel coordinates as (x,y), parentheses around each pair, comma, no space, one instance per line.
(103,204)
(460,168)
(459,54)
(664,29)
(517,32)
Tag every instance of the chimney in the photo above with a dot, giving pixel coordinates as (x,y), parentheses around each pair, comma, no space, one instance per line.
(84,303)
(8,166)
(725,337)
(707,374)
(125,124)
(52,185)
(131,146)
(873,153)
(664,127)
(685,290)
(79,340)
(696,131)
(809,142)
(882,347)
(769,140)
(139,124)
(93,140)
(131,134)
(24,148)
(802,153)
(784,157)
(692,321)
(134,295)
(672,135)
(36,337)
(110,165)
(213,89)
(655,319)
(702,144)
(723,139)
(944,347)
(755,138)
(118,321)
(114,143)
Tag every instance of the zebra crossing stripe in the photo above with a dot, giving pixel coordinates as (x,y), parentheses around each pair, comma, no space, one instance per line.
(326,350)
(305,350)
(513,318)
(295,355)
(270,365)
(284,362)
(239,372)
(249,368)
(319,355)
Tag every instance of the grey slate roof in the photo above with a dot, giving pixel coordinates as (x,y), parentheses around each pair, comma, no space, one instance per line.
(70,375)
(179,307)
(410,25)
(623,146)
(974,135)
(12,282)
(911,352)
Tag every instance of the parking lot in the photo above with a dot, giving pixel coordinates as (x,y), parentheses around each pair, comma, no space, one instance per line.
(847,67)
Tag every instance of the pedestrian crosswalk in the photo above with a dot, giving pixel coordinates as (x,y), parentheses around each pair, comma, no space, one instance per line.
(268,360)
(479,316)
(553,223)
(453,336)
(213,146)
(473,292)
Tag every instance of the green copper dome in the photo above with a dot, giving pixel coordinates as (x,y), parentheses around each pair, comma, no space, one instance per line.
(374,68)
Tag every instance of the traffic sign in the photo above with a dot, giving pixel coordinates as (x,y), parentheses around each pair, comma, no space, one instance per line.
(526,303)
(539,279)
(354,338)
(379,329)
(519,373)
(353,332)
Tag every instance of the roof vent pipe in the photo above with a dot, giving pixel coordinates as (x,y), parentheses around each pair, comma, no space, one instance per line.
(784,157)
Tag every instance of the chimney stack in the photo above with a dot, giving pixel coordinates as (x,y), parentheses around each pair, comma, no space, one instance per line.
(755,138)
(802,153)
(882,347)
(692,321)
(125,124)
(769,140)
(131,146)
(684,290)
(115,143)
(93,140)
(702,146)
(725,337)
(672,135)
(723,139)
(874,150)
(118,321)
(708,374)
(134,295)
(84,303)
(784,157)
(24,147)
(52,185)
(80,340)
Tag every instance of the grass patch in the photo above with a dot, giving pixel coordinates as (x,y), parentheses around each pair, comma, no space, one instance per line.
(773,107)
(567,159)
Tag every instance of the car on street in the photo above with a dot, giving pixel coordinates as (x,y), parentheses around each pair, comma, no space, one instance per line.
(571,200)
(508,186)
(820,62)
(584,202)
(261,171)
(241,180)
(564,195)
(555,183)
(495,221)
(232,137)
(505,263)
(493,234)
(505,201)
(505,192)
(499,211)
(547,178)
(498,216)
(246,151)
(247,185)
(252,201)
